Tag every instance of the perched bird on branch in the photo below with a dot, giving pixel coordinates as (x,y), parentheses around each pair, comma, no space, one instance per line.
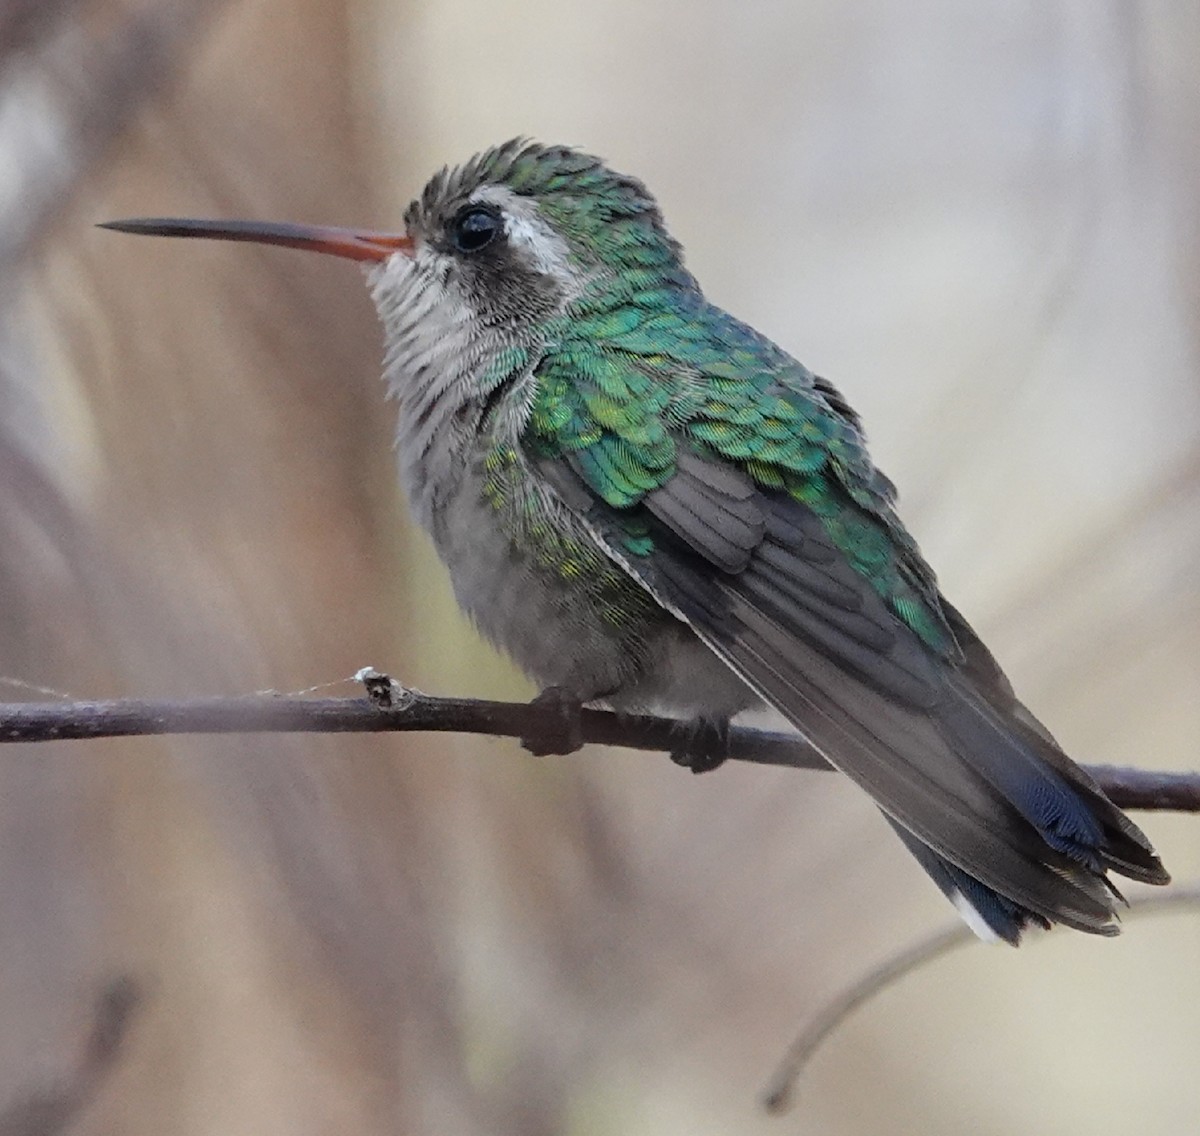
(648,504)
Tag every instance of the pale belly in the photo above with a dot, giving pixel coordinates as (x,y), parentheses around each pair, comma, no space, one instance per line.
(595,634)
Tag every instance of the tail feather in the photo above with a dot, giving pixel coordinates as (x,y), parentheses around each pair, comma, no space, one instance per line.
(989,914)
(903,760)
(1111,838)
(1063,818)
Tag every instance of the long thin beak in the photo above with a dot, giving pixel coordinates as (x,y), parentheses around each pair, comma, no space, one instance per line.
(349,243)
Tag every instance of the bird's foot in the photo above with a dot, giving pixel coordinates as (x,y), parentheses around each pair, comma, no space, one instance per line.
(705,745)
(562,732)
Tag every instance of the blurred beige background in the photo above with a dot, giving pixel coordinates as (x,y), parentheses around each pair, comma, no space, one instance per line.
(979,220)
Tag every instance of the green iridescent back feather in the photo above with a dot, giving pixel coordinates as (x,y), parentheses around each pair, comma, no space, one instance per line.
(641,365)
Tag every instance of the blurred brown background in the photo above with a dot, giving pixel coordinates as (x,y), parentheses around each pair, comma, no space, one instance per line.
(980,220)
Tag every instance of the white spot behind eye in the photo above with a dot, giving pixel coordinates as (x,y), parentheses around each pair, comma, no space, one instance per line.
(531,234)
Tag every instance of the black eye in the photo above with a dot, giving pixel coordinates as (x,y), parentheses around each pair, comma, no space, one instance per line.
(474,229)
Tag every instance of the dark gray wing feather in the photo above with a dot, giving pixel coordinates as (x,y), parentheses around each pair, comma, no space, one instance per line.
(712,509)
(944,748)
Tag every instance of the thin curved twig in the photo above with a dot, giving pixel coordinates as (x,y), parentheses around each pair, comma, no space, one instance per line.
(779,1095)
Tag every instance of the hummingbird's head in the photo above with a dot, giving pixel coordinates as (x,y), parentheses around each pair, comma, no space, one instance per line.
(499,248)
(519,231)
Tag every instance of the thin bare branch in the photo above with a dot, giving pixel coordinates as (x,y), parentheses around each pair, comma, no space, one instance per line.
(61,721)
(779,1095)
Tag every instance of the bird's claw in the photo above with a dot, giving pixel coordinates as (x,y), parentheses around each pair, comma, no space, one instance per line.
(563,730)
(705,748)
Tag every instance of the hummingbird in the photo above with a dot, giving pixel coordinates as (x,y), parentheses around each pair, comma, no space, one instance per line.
(651,506)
